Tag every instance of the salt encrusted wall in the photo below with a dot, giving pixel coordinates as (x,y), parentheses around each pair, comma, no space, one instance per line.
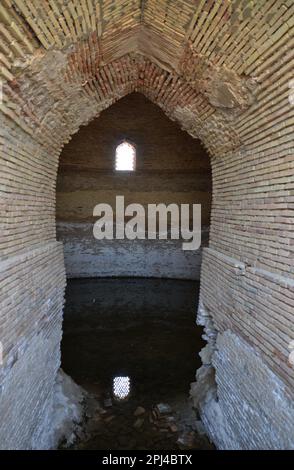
(224,71)
(171,167)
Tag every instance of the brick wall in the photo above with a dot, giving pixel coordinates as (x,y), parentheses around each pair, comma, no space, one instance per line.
(224,71)
(171,167)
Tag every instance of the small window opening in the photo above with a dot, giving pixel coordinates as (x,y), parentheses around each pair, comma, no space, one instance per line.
(125,157)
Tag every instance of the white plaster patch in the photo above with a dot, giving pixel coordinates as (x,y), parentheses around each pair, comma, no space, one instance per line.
(63,416)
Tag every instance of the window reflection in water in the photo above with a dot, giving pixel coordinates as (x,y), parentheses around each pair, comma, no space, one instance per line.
(121,387)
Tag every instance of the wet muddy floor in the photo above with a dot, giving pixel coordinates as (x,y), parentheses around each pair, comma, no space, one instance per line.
(134,344)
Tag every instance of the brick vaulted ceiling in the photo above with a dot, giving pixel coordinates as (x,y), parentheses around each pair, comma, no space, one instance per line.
(208,64)
(224,71)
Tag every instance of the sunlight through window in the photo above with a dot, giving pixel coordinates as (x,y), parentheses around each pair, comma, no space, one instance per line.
(125,157)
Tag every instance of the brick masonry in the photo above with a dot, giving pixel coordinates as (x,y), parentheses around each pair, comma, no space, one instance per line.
(171,167)
(224,72)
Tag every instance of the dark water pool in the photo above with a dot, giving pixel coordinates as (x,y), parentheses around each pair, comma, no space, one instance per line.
(134,339)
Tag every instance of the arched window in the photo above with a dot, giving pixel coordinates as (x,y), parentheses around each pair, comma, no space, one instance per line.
(125,157)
